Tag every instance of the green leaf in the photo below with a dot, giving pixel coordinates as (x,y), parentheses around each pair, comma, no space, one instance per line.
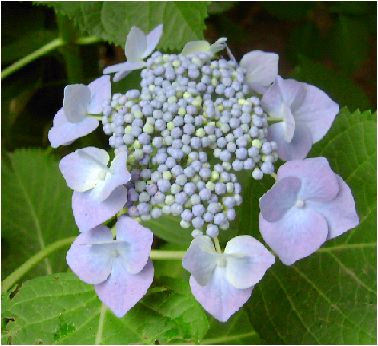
(177,302)
(183,21)
(349,43)
(60,309)
(36,210)
(236,331)
(341,88)
(168,227)
(330,297)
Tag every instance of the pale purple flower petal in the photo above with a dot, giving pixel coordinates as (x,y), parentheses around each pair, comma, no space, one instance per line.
(90,255)
(100,93)
(297,148)
(115,176)
(340,213)
(153,38)
(65,132)
(219,298)
(201,259)
(138,241)
(83,168)
(286,92)
(123,69)
(261,69)
(89,212)
(75,102)
(280,198)
(136,44)
(297,235)
(318,181)
(122,290)
(247,261)
(318,111)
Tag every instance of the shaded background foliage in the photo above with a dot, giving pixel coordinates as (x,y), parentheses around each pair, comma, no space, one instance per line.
(326,298)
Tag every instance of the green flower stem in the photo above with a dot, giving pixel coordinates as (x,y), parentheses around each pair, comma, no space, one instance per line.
(47,48)
(272,120)
(217,245)
(167,255)
(95,116)
(10,280)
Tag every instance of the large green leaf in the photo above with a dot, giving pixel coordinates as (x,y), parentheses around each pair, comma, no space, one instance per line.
(236,331)
(60,309)
(177,302)
(36,210)
(330,297)
(111,20)
(341,88)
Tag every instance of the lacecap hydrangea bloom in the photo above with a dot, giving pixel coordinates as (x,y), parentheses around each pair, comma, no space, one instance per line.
(223,282)
(177,143)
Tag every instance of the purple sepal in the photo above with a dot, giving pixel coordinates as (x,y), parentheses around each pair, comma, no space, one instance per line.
(90,255)
(90,212)
(297,235)
(64,132)
(219,298)
(123,290)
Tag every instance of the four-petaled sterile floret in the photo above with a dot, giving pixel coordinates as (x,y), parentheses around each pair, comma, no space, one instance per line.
(223,282)
(308,205)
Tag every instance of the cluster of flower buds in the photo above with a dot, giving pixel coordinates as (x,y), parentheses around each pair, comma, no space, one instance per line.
(197,119)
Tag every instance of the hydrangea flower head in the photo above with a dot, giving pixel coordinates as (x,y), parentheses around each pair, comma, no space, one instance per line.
(99,191)
(308,205)
(138,46)
(72,120)
(261,69)
(223,282)
(119,268)
(195,120)
(304,114)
